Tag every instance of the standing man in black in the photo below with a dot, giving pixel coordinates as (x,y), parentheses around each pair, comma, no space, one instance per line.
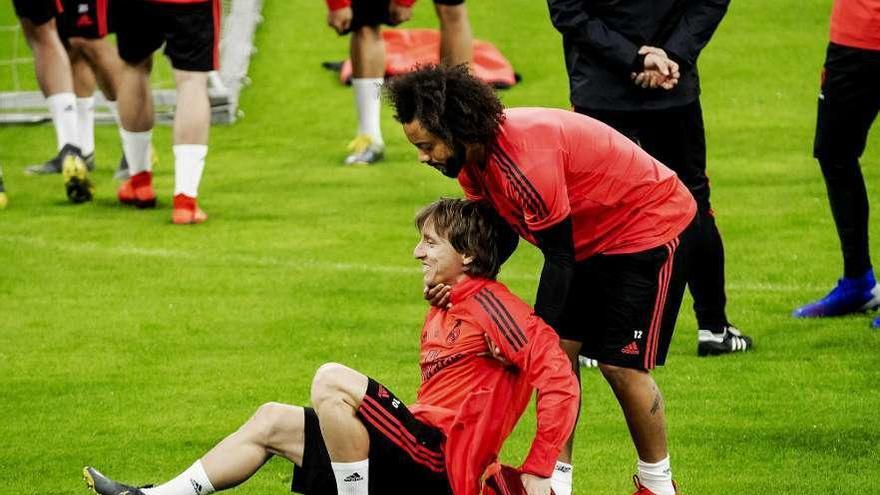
(633,65)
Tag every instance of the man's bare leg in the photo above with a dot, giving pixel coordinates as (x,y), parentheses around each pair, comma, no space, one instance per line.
(54,76)
(84,85)
(367,49)
(274,429)
(136,114)
(135,98)
(192,117)
(51,63)
(106,65)
(561,480)
(337,392)
(456,36)
(572,349)
(642,406)
(104,61)
(192,122)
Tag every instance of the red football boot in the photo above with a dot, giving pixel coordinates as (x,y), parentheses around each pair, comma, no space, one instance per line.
(138,191)
(186,211)
(643,490)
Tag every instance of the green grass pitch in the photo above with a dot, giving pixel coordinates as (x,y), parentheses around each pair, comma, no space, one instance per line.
(134,345)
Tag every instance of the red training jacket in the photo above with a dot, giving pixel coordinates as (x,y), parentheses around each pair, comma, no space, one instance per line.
(476,400)
(856,23)
(548,164)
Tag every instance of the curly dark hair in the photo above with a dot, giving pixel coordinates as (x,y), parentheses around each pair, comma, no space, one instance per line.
(449,102)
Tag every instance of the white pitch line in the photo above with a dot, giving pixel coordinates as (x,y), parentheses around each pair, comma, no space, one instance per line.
(300,264)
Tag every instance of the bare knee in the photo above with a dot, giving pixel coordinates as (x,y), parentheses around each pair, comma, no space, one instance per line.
(618,376)
(267,419)
(191,79)
(334,381)
(326,383)
(367,35)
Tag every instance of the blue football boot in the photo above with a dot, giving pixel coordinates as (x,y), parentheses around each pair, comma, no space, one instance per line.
(852,295)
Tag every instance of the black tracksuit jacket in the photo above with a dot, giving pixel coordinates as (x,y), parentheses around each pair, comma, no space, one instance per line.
(601,39)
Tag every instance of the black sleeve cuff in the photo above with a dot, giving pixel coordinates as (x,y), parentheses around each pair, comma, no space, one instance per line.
(639,63)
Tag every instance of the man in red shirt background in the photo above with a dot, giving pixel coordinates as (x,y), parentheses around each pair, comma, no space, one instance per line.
(83,28)
(604,213)
(190,31)
(481,360)
(54,76)
(363,20)
(848,104)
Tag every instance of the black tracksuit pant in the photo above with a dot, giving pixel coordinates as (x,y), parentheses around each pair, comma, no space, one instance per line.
(848,105)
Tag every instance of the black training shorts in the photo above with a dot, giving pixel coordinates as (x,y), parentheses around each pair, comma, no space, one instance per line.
(376,12)
(623,307)
(190,32)
(369,13)
(37,11)
(404,452)
(85,19)
(848,104)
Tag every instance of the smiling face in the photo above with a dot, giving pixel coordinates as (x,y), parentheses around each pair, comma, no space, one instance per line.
(434,151)
(441,263)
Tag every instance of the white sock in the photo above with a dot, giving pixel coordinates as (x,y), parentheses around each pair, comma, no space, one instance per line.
(193,481)
(114,111)
(189,162)
(136,146)
(560,481)
(352,478)
(368,103)
(85,119)
(657,476)
(62,106)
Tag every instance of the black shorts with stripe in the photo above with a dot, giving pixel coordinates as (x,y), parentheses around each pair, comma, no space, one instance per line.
(85,19)
(190,32)
(623,307)
(37,11)
(405,454)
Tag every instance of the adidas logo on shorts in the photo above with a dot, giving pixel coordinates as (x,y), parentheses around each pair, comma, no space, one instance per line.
(632,348)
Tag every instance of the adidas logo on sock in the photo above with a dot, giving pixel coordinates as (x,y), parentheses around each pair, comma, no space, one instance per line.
(196,486)
(354,477)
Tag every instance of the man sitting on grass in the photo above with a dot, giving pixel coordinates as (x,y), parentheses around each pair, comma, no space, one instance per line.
(481,358)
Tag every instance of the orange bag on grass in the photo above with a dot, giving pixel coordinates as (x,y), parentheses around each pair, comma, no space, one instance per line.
(408,48)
